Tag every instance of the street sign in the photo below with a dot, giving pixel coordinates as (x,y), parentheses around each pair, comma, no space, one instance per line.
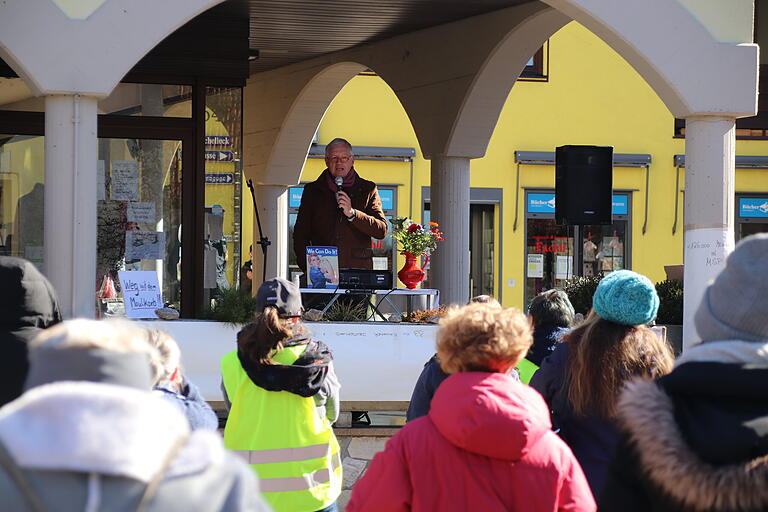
(214,155)
(219,178)
(218,140)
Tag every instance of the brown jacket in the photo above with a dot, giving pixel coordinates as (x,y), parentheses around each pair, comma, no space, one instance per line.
(321,223)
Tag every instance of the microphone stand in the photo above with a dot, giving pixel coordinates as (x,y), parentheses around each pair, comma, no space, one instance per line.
(263,240)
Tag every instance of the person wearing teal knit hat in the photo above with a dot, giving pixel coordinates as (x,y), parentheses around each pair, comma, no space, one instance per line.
(582,378)
(626,298)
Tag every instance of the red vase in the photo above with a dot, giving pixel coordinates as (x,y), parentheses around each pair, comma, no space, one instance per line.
(411,275)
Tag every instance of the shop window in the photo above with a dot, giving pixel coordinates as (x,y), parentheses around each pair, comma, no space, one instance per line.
(537,67)
(481,248)
(556,253)
(223,179)
(751,215)
(138,216)
(383,250)
(22,179)
(154,100)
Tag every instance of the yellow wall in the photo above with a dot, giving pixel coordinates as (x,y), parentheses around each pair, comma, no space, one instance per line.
(592,96)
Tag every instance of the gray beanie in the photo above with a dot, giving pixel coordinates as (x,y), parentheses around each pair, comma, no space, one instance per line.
(734,306)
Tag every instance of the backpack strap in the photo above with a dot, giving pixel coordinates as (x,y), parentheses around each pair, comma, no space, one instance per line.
(14,471)
(154,483)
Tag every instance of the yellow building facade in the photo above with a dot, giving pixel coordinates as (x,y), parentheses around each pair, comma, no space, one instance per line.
(590,96)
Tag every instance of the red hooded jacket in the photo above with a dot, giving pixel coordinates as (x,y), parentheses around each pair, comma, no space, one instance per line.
(486,445)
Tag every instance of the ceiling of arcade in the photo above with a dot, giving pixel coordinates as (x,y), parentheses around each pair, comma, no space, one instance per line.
(286,32)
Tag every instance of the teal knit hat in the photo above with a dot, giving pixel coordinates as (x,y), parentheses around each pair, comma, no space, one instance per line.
(627,298)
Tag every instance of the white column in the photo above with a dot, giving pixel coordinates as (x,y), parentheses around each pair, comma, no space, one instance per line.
(449,196)
(272,201)
(710,161)
(70,202)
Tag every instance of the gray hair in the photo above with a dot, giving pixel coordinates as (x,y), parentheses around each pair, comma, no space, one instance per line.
(337,141)
(115,335)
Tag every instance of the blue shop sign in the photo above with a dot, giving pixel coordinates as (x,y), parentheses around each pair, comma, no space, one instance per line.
(387,199)
(545,203)
(620,205)
(541,203)
(294,196)
(753,207)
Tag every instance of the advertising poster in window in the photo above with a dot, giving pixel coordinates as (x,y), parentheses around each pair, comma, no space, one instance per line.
(563,267)
(535,267)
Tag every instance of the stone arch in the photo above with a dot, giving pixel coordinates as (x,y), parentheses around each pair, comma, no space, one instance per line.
(707,78)
(482,105)
(105,44)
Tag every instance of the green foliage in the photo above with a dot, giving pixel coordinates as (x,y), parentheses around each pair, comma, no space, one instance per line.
(580,291)
(670,302)
(415,238)
(346,311)
(232,306)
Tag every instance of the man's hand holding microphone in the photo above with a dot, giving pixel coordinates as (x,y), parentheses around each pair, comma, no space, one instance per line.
(343,200)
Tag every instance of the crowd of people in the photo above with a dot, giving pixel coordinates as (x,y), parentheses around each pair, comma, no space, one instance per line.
(515,411)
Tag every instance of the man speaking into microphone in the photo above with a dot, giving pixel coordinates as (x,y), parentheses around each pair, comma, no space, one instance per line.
(340,209)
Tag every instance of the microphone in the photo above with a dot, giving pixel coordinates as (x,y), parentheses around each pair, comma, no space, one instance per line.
(339,187)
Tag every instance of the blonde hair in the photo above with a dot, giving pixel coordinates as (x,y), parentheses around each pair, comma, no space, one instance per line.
(603,356)
(168,354)
(114,335)
(482,337)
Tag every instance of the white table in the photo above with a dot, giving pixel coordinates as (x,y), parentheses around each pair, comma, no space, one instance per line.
(433,297)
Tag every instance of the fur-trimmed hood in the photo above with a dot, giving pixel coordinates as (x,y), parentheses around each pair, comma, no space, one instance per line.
(102,428)
(701,433)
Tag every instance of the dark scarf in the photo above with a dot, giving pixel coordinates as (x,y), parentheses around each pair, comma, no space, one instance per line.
(304,377)
(349,180)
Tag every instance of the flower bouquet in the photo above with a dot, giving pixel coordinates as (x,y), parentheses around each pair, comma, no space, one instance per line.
(413,241)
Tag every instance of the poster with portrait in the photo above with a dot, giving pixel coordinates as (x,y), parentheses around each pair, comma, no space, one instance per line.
(322,267)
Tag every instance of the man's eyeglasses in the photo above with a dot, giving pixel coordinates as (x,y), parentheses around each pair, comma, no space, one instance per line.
(342,159)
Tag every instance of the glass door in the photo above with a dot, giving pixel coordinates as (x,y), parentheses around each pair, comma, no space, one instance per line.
(139,216)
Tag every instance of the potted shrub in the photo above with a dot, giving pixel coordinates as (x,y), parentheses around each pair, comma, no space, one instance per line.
(671,311)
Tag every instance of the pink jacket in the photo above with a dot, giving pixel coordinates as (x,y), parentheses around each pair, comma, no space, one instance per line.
(486,445)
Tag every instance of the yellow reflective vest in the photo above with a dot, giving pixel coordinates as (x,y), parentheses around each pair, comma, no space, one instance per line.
(288,444)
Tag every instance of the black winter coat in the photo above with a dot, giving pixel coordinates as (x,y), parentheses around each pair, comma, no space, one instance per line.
(28,304)
(695,440)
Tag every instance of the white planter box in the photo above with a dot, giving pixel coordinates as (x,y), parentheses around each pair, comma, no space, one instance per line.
(375,361)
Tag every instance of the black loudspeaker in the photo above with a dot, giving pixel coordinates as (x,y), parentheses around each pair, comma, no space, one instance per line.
(583,184)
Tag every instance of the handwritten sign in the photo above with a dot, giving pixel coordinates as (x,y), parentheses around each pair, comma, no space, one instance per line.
(144,245)
(141,212)
(141,293)
(125,180)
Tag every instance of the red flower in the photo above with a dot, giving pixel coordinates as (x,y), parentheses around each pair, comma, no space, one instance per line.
(435,224)
(413,228)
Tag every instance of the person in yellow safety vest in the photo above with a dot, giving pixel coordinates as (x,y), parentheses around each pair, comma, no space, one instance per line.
(282,394)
